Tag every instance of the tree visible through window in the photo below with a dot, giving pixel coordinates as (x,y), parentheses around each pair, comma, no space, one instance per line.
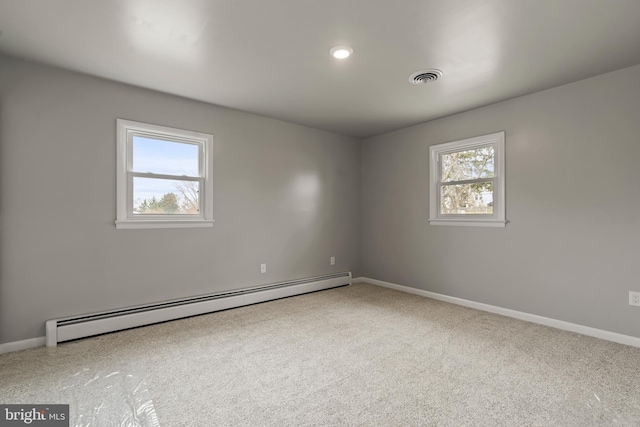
(184,200)
(469,198)
(164,177)
(467,182)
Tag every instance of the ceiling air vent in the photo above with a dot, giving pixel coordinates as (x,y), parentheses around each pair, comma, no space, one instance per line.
(423,77)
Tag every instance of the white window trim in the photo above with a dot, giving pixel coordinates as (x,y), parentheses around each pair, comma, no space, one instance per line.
(498,218)
(124,177)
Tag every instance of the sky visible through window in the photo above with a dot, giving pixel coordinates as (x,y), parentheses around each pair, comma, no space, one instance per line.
(161,157)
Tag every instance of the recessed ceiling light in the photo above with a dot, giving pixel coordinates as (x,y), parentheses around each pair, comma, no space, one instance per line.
(423,77)
(341,52)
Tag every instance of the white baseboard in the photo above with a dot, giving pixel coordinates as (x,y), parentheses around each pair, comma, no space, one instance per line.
(554,323)
(533,318)
(8,347)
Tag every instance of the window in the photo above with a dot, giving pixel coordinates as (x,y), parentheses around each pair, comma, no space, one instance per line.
(467,182)
(164,177)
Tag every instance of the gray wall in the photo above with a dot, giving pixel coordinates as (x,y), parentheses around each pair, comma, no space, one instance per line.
(283,194)
(569,252)
(571,248)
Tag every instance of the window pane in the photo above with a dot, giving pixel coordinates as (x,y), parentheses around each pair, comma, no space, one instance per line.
(165,196)
(467,199)
(165,157)
(470,164)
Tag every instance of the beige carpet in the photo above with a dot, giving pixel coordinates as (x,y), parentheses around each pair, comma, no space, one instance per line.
(355,356)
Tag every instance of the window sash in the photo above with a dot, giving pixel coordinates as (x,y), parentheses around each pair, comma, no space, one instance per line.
(441,183)
(493,181)
(130,201)
(443,153)
(125,197)
(161,137)
(131,174)
(436,182)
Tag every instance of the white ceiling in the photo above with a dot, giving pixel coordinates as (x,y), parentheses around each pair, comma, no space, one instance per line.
(272,57)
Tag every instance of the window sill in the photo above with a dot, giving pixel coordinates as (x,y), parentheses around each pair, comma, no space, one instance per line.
(164,223)
(469,223)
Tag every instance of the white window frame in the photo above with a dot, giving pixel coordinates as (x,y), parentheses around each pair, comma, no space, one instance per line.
(498,218)
(125,219)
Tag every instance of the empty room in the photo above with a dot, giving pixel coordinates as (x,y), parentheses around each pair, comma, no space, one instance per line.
(297,213)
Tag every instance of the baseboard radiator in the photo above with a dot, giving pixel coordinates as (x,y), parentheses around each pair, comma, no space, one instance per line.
(71,328)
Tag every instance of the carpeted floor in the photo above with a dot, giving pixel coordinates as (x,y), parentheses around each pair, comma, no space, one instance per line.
(354,356)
